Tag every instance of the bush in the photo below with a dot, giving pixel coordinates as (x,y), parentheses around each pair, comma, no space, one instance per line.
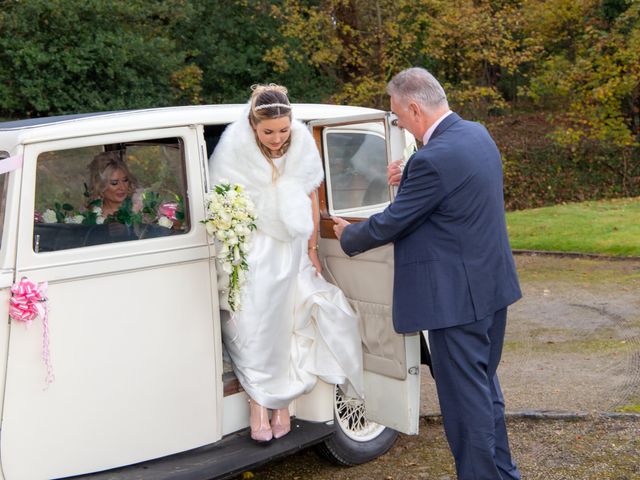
(538,171)
(64,56)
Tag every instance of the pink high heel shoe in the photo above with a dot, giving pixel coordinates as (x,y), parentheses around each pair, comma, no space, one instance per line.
(280,422)
(259,422)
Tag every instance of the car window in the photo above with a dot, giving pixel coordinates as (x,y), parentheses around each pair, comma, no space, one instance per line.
(357,161)
(110,193)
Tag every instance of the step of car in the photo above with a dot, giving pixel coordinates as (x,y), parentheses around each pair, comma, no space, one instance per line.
(232,455)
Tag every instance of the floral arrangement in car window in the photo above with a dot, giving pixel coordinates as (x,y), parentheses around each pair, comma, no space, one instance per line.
(143,207)
(230,219)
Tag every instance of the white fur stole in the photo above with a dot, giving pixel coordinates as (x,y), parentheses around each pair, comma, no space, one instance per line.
(283,207)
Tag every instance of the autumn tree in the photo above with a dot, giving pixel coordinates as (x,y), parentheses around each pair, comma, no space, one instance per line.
(477,48)
(594,86)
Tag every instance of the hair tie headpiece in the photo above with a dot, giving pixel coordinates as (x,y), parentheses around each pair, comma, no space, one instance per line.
(271,105)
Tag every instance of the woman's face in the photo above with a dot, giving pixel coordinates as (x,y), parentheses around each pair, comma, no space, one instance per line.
(117,188)
(274,132)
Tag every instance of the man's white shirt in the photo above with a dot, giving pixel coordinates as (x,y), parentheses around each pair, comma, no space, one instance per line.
(431,129)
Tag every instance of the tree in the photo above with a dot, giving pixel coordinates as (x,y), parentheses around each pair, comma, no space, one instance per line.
(229,40)
(63,56)
(597,84)
(476,48)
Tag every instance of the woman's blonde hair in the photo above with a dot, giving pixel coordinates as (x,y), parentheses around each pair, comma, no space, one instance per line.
(100,170)
(269,102)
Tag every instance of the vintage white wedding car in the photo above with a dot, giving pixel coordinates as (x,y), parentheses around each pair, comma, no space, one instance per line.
(141,387)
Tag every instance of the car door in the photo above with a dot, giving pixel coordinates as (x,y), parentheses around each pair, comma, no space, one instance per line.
(356,151)
(133,336)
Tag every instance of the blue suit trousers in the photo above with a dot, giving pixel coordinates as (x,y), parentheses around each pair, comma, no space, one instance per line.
(465,359)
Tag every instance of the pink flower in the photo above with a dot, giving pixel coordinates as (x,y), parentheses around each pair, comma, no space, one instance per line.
(168,210)
(37,217)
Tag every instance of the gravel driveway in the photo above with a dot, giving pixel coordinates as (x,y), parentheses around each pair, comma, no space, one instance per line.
(570,375)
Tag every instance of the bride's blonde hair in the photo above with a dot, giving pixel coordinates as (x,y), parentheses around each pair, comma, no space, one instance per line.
(269,102)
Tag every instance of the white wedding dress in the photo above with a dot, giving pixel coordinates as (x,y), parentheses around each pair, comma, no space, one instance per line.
(293,327)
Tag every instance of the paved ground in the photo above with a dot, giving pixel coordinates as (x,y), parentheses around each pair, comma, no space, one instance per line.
(572,349)
(573,341)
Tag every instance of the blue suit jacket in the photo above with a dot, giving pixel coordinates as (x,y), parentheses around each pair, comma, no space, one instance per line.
(453,261)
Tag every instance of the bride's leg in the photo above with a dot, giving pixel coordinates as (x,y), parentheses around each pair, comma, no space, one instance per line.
(280,422)
(259,422)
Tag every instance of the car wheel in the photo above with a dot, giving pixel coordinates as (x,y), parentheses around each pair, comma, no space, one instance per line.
(356,440)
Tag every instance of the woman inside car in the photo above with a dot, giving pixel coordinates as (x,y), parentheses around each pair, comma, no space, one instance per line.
(110,181)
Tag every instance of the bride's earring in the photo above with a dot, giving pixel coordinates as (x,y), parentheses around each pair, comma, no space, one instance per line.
(280,422)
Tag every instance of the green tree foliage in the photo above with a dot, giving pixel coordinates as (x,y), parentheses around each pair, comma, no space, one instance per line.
(62,56)
(358,44)
(477,48)
(593,87)
(229,40)
(564,71)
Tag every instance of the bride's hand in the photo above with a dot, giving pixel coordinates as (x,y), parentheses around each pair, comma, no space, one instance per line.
(315,260)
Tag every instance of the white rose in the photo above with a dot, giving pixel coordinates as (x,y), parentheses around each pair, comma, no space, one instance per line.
(210,228)
(76,219)
(165,222)
(99,219)
(49,216)
(232,240)
(220,235)
(97,210)
(227,268)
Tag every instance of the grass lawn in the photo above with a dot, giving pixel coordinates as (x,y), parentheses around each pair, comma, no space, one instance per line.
(610,227)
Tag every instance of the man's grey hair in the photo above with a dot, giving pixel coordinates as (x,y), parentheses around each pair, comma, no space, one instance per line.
(418,85)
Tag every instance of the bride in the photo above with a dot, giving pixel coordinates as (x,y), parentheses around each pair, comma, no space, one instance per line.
(293,326)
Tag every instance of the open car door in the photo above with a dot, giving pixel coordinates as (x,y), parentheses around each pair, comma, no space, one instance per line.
(356,151)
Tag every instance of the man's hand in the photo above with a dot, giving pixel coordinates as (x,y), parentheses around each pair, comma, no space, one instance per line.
(340,225)
(394,172)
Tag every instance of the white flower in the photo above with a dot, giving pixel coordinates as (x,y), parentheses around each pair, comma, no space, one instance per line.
(224,250)
(76,219)
(232,240)
(227,268)
(49,216)
(165,222)
(100,220)
(230,218)
(97,210)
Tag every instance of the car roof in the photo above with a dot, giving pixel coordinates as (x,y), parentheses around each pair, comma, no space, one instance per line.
(33,130)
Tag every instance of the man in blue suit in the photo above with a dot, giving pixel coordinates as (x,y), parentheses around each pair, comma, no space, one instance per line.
(454,271)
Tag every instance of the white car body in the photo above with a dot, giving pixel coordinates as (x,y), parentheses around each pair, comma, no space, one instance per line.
(135,337)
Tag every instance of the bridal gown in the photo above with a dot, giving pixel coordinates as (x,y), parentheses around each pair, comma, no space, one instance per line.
(293,327)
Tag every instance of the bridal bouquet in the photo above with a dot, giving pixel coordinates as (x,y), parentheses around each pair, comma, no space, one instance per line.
(230,219)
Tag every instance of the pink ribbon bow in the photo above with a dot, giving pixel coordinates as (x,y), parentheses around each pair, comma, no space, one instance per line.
(29,301)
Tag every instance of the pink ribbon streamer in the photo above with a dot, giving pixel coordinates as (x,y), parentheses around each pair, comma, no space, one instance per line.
(10,164)
(29,301)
